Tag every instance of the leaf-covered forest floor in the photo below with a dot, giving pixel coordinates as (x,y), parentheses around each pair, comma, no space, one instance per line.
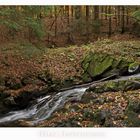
(25,67)
(108,109)
(22,63)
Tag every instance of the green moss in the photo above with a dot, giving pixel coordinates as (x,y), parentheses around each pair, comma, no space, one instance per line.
(115,63)
(86,77)
(133,64)
(112,85)
(123,64)
(134,67)
(99,64)
(86,60)
(122,85)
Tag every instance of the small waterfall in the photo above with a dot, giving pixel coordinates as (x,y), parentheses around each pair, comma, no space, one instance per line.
(45,106)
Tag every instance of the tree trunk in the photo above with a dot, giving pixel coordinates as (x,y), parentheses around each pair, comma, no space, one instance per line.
(77,12)
(69,37)
(87,23)
(127,16)
(55,16)
(96,12)
(118,15)
(106,12)
(122,19)
(102,10)
(109,27)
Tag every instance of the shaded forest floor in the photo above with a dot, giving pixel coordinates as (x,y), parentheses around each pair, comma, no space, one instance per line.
(25,67)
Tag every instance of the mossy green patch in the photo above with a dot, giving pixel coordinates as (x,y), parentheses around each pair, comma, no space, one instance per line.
(86,77)
(99,64)
(86,60)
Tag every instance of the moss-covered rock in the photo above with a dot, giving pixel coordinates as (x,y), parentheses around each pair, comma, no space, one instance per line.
(87,60)
(86,77)
(116,85)
(134,68)
(132,111)
(97,65)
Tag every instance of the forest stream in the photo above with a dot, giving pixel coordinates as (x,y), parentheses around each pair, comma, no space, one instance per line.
(43,107)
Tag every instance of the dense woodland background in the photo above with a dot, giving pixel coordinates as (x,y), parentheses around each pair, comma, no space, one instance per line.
(57,26)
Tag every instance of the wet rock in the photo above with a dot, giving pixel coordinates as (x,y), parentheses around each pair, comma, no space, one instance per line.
(68,82)
(3,108)
(9,101)
(99,101)
(23,100)
(101,116)
(115,85)
(88,114)
(88,96)
(134,68)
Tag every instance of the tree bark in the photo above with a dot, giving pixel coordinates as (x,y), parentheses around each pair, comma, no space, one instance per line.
(110,24)
(87,23)
(122,20)
(96,12)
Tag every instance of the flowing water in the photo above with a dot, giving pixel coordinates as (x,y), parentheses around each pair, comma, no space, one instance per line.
(45,106)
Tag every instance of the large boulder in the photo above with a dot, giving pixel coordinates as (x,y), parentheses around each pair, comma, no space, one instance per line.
(97,66)
(115,85)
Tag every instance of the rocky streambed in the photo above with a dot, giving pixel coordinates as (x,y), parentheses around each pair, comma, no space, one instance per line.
(108,103)
(105,94)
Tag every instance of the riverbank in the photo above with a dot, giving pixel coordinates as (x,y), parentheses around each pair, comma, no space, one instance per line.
(28,71)
(111,103)
(24,63)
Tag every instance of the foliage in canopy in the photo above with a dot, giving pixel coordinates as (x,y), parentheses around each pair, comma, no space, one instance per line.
(136,15)
(19,18)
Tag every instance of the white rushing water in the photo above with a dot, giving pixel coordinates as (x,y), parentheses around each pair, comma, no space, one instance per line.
(45,106)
